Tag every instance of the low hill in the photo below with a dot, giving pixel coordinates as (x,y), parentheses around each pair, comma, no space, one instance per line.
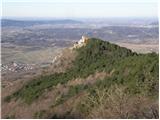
(104,81)
(24,23)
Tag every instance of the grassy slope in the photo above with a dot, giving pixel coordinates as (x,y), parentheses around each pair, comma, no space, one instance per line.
(139,72)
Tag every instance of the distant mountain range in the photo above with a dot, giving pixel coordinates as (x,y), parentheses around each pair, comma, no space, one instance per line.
(155,23)
(23,23)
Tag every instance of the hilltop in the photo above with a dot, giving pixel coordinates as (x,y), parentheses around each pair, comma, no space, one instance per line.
(103,80)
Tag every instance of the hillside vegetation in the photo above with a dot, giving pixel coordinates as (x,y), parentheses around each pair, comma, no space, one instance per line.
(131,81)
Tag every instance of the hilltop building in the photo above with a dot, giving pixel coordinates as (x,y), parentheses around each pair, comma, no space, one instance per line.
(83,41)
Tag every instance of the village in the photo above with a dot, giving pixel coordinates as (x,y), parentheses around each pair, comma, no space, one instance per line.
(16,67)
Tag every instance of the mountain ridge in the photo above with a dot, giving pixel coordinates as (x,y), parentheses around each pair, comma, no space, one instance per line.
(138,73)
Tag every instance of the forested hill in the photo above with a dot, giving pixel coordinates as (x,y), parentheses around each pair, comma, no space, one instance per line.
(102,74)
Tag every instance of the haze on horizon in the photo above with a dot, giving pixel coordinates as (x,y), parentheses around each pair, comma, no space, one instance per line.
(79,8)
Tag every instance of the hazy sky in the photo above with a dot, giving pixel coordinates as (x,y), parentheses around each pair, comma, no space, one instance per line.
(79,8)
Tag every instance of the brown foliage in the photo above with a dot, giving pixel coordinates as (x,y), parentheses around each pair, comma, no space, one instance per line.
(117,103)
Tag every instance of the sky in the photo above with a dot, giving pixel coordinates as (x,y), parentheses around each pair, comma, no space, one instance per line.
(79,8)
